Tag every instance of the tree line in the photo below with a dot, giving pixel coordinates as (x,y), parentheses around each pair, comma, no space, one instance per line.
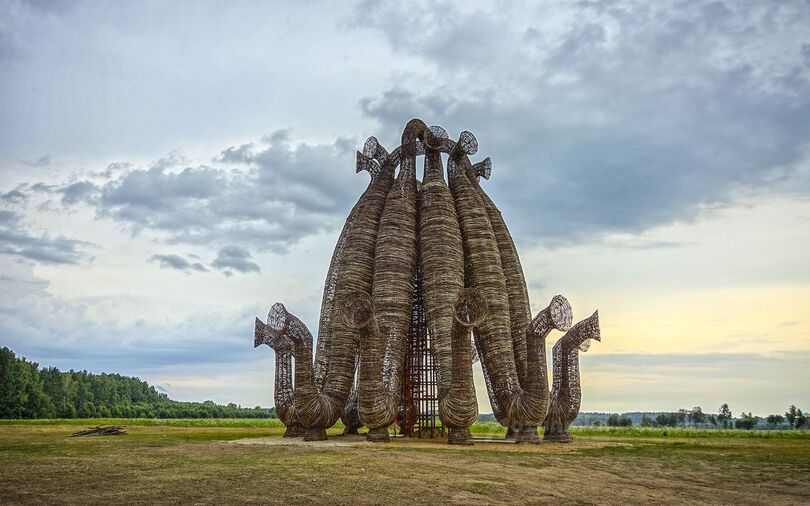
(28,391)
(794,418)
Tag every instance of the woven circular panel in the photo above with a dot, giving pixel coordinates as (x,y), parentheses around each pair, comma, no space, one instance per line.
(358,309)
(470,308)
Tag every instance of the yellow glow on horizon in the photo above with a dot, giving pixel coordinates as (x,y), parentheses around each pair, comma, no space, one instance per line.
(756,319)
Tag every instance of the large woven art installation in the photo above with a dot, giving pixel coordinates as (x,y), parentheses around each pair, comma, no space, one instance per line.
(426,258)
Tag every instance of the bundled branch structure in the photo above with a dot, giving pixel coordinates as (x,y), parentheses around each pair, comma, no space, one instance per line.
(420,268)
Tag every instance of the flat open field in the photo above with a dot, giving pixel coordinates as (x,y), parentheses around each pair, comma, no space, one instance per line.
(239,462)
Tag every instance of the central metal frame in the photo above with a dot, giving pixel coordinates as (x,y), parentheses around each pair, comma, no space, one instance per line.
(419,390)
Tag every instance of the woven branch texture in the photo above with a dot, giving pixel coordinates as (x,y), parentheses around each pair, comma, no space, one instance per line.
(283,392)
(458,408)
(432,258)
(369,160)
(441,259)
(519,311)
(566,391)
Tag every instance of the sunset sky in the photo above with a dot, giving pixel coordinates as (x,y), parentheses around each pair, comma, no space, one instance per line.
(169,170)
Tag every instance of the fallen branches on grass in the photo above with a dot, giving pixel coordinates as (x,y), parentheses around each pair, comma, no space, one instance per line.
(100,430)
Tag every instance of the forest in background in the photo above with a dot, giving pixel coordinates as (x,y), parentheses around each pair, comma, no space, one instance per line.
(28,391)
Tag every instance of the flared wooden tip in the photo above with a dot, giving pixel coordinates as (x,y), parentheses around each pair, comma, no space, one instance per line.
(471,307)
(438,132)
(587,330)
(595,332)
(366,163)
(483,168)
(259,334)
(561,313)
(436,136)
(358,309)
(371,147)
(277,320)
(468,143)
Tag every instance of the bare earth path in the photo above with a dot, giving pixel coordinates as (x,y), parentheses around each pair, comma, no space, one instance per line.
(39,464)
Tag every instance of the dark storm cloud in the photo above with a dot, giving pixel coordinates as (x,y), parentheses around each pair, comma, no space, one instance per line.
(14,197)
(15,240)
(281,193)
(41,188)
(177,262)
(609,116)
(234,258)
(233,154)
(78,192)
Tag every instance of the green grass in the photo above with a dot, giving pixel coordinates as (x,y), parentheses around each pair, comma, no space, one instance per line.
(480,429)
(679,432)
(489,428)
(192,462)
(268,423)
(495,429)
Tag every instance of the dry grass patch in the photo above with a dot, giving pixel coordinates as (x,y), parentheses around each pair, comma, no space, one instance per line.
(203,465)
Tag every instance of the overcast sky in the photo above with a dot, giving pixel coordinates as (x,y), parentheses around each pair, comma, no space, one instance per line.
(169,170)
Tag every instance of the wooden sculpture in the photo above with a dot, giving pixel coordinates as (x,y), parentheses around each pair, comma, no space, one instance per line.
(435,256)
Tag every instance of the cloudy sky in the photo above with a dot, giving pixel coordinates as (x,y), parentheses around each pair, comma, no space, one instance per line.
(169,170)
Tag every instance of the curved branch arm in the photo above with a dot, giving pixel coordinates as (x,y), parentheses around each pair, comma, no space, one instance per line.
(557,315)
(566,392)
(528,409)
(315,410)
(459,408)
(376,408)
(483,168)
(414,137)
(283,391)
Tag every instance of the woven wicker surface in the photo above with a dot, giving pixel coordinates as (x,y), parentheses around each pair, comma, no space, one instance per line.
(369,160)
(328,302)
(519,310)
(441,261)
(483,271)
(456,236)
(566,391)
(283,388)
(376,407)
(459,407)
(528,414)
(315,411)
(395,265)
(356,273)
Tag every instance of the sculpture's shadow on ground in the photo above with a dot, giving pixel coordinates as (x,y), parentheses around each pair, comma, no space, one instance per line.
(482,444)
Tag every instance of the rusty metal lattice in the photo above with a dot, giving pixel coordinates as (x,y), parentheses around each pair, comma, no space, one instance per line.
(420,394)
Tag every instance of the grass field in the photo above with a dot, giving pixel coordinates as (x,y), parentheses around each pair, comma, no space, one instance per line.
(200,462)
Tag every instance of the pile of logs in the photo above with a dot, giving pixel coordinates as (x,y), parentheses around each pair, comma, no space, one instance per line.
(100,430)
